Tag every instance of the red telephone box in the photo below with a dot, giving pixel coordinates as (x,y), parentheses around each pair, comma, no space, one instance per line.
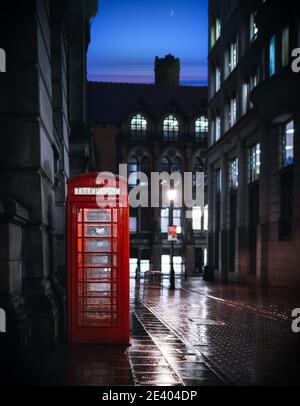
(98,262)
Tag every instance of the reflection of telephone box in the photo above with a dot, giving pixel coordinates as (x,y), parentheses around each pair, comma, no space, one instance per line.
(98,263)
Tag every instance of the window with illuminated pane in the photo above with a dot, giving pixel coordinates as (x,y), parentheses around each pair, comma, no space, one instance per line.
(254,163)
(177,220)
(171,128)
(164,220)
(201,127)
(234,174)
(139,126)
(288,144)
(138,162)
(287,182)
(200,218)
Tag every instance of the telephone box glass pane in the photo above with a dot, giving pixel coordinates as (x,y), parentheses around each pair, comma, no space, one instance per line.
(92,259)
(94,304)
(97,268)
(99,287)
(97,231)
(104,273)
(93,289)
(90,274)
(97,216)
(96,245)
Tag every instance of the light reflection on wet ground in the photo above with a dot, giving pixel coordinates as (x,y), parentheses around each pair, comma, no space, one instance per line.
(197,335)
(237,333)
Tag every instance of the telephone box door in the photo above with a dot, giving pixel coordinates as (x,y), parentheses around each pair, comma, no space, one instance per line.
(98,273)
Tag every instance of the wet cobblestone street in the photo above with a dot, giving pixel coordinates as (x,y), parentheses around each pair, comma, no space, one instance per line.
(237,334)
(197,335)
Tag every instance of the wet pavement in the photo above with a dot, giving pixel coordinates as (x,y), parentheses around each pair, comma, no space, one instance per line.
(275,302)
(188,366)
(149,363)
(242,334)
(198,335)
(76,365)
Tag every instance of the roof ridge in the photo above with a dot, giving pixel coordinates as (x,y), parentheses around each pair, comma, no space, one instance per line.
(148,85)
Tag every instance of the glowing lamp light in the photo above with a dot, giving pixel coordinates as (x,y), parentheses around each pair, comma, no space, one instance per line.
(172,195)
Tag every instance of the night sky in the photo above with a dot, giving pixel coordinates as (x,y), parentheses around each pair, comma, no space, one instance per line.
(128,34)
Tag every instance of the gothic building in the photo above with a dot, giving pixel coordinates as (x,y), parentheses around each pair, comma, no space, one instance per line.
(254,151)
(44,140)
(155,128)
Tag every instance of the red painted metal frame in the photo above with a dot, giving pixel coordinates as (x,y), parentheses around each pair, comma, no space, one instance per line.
(115,334)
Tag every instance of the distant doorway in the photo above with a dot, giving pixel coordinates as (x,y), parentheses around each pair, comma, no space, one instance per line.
(166,264)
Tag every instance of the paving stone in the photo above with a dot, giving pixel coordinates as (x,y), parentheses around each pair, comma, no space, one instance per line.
(243,335)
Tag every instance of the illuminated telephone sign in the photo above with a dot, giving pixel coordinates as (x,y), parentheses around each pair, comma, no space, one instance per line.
(98,261)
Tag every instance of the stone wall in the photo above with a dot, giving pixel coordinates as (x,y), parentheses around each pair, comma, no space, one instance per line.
(46,43)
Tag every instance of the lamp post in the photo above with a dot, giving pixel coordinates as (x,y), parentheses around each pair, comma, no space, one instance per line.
(172,193)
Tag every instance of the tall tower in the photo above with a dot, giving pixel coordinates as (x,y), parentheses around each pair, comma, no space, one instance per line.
(167,70)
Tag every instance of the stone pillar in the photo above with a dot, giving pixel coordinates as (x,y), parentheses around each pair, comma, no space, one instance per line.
(294,279)
(224,219)
(241,217)
(156,240)
(262,237)
(10,258)
(15,342)
(189,245)
(210,217)
(190,259)
(156,248)
(61,153)
(189,249)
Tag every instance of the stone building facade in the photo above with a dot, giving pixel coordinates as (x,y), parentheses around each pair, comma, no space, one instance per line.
(254,152)
(154,128)
(44,140)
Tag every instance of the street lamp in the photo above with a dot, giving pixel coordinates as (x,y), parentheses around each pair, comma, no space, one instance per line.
(172,193)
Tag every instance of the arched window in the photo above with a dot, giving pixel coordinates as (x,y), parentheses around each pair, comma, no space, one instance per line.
(171,162)
(171,128)
(198,165)
(201,127)
(139,127)
(137,162)
(176,165)
(165,164)
(144,165)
